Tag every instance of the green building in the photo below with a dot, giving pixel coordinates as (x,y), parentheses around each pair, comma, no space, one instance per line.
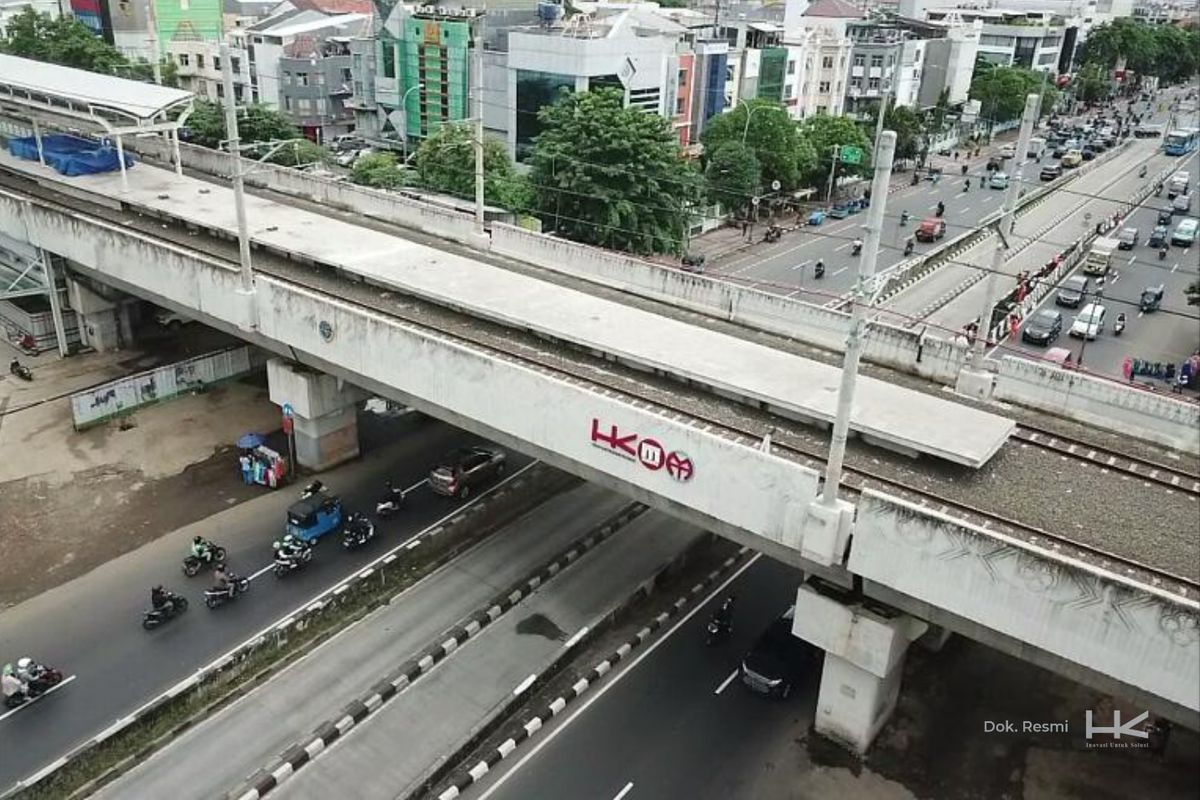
(193,20)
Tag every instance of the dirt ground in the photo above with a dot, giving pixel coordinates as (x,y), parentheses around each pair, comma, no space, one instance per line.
(70,501)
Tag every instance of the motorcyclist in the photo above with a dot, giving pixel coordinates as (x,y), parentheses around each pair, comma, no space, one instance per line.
(967,185)
(27,670)
(160,599)
(904,217)
(292,546)
(857,246)
(202,549)
(909,244)
(221,578)
(819,269)
(723,616)
(1162,252)
(11,685)
(393,494)
(941,208)
(1121,320)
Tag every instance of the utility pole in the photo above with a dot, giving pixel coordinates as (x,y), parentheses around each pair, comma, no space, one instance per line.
(886,151)
(477,81)
(837,150)
(883,104)
(235,160)
(156,56)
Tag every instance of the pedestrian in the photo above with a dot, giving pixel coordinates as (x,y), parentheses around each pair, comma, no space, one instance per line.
(956,155)
(745,227)
(244,461)
(1170,376)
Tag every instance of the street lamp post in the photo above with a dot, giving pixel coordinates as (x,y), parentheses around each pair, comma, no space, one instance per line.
(404,105)
(749,113)
(239,194)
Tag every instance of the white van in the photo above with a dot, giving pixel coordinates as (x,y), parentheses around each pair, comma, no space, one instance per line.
(1178,184)
(1090,322)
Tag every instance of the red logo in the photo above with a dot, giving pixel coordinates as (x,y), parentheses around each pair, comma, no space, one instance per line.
(650,453)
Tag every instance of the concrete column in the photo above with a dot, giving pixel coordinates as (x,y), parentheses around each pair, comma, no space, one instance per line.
(324,418)
(98,324)
(864,660)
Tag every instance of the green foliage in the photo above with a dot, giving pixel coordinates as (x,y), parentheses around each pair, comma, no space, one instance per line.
(445,163)
(732,175)
(771,135)
(1092,84)
(298,153)
(379,170)
(256,123)
(1001,91)
(908,127)
(1166,51)
(143,70)
(612,176)
(824,132)
(64,40)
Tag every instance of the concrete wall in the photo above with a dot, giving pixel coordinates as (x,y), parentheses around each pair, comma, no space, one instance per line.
(1146,639)
(385,206)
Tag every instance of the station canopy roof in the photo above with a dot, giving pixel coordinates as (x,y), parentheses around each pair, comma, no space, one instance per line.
(115,104)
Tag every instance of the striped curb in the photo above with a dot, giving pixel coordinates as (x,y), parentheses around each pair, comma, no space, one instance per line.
(556,707)
(277,631)
(299,754)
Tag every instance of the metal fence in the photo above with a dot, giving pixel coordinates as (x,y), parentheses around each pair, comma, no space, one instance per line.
(99,403)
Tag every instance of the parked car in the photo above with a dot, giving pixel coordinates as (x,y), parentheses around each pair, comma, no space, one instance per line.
(1158,236)
(778,660)
(1128,238)
(171,320)
(1051,172)
(931,229)
(1043,327)
(1071,292)
(1090,321)
(460,472)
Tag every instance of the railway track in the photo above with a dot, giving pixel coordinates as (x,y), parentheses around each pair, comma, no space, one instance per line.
(581,370)
(1175,478)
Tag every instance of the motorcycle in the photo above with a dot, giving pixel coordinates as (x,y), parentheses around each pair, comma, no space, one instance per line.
(819,270)
(908,247)
(1142,172)
(773,234)
(316,487)
(941,209)
(290,561)
(358,531)
(1119,325)
(42,678)
(903,218)
(193,564)
(856,248)
(214,597)
(175,606)
(717,629)
(20,370)
(390,503)
(1162,254)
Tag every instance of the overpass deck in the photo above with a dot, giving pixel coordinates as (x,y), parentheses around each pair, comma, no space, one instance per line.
(1147,531)
(885,414)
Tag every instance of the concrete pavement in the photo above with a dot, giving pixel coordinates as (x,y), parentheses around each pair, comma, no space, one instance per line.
(675,726)
(436,715)
(229,747)
(91,626)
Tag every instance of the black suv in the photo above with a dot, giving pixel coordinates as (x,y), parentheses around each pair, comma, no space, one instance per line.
(778,659)
(1071,292)
(463,470)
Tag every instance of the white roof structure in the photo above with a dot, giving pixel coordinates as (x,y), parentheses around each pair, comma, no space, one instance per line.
(115,104)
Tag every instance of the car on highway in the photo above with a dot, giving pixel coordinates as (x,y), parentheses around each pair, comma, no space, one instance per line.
(1165,215)
(1043,327)
(1072,291)
(1148,131)
(999,180)
(1185,233)
(1090,321)
(931,229)
(1051,172)
(1181,204)
(778,659)
(1128,238)
(1008,151)
(1071,159)
(463,470)
(1088,153)
(1158,236)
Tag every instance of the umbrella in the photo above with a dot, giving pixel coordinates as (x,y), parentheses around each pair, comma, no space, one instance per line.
(250,441)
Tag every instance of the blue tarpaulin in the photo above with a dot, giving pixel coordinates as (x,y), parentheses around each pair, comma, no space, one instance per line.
(70,155)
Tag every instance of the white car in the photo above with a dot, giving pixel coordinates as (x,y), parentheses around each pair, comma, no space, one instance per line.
(999,181)
(1008,151)
(171,320)
(1090,321)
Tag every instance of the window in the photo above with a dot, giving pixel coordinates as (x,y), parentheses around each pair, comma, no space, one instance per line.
(823,87)
(389,59)
(287,77)
(346,76)
(183,59)
(199,61)
(891,60)
(873,84)
(856,83)
(681,78)
(302,79)
(876,61)
(287,103)
(679,105)
(860,60)
(791,68)
(236,65)
(217,63)
(220,92)
(822,109)
(827,62)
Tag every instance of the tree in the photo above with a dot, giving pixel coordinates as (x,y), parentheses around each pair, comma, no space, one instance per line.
(612,176)
(1166,51)
(1091,85)
(63,40)
(143,70)
(908,127)
(1001,91)
(445,162)
(824,133)
(732,175)
(297,153)
(771,135)
(256,123)
(379,170)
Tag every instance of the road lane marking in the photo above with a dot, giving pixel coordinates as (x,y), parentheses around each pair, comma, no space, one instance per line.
(1175,266)
(726,682)
(802,263)
(964,210)
(839,272)
(52,689)
(841,247)
(495,787)
(624,791)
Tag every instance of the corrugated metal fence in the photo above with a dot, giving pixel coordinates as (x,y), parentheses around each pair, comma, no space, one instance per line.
(108,400)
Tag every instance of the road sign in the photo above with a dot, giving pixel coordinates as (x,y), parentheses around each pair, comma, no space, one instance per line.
(775,186)
(851,155)
(755,201)
(288,411)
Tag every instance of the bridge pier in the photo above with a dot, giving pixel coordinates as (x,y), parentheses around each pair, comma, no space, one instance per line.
(105,324)
(865,644)
(324,417)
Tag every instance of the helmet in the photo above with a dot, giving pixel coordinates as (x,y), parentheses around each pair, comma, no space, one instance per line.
(8,669)
(198,540)
(24,663)
(288,539)
(275,544)
(159,588)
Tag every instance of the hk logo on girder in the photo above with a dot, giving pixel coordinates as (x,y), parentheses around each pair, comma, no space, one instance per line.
(646,451)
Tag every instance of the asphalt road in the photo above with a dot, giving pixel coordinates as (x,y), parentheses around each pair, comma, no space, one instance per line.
(91,627)
(676,725)
(785,267)
(1170,334)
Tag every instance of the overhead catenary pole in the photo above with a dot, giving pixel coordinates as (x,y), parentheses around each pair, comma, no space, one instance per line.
(837,150)
(155,55)
(1004,228)
(235,161)
(477,87)
(863,290)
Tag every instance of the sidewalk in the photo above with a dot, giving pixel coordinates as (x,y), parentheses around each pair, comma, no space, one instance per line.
(227,748)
